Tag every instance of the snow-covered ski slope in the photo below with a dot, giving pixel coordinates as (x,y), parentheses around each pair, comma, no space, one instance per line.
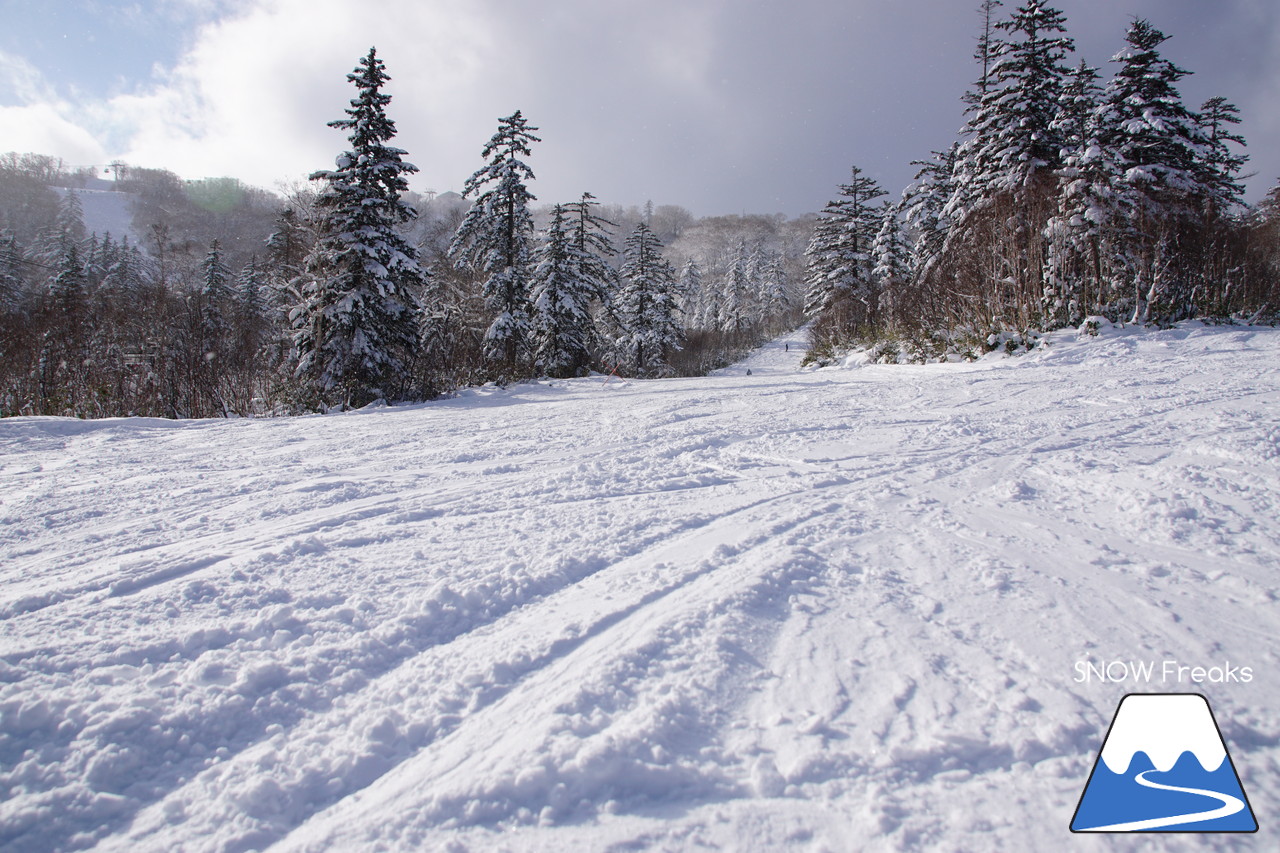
(836,609)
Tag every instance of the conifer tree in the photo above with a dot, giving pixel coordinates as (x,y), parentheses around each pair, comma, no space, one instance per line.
(1220,164)
(357,330)
(841,292)
(591,238)
(1005,181)
(924,211)
(560,297)
(216,291)
(250,309)
(689,289)
(889,257)
(124,278)
(1156,147)
(986,53)
(1021,136)
(773,296)
(287,249)
(67,286)
(1075,276)
(736,288)
(495,240)
(646,304)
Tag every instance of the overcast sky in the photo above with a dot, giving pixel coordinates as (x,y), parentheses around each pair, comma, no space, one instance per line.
(722,106)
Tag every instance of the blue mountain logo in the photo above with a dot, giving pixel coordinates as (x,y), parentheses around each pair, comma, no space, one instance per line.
(1164,767)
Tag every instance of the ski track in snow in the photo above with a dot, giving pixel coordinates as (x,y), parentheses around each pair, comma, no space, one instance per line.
(799,609)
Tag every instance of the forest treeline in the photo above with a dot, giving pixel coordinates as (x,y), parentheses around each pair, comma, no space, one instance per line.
(1065,198)
(233,300)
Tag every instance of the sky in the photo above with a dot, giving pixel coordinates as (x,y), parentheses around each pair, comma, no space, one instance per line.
(720,106)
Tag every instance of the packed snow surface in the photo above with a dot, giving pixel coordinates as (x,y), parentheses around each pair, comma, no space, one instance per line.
(848,608)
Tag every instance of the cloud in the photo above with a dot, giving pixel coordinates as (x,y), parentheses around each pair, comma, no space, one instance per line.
(252,96)
(40,129)
(720,105)
(22,83)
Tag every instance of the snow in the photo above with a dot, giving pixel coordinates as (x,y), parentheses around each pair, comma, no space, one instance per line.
(797,609)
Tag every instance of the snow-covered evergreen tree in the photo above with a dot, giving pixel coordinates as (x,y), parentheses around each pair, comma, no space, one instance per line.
(841,292)
(217,293)
(986,53)
(1015,131)
(1005,179)
(1076,106)
(1220,164)
(67,285)
(1158,152)
(495,239)
(70,219)
(288,247)
(773,295)
(357,330)
(924,211)
(561,302)
(592,239)
(890,265)
(125,277)
(736,290)
(689,291)
(646,304)
(1075,278)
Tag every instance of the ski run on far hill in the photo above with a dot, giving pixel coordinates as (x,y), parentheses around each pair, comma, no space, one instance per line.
(862,607)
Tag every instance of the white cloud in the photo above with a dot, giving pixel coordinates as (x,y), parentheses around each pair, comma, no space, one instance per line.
(722,105)
(252,96)
(40,129)
(21,82)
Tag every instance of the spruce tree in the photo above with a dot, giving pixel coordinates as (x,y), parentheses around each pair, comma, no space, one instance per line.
(1006,182)
(1075,267)
(68,285)
(772,294)
(924,211)
(124,280)
(689,289)
(495,240)
(592,239)
(216,291)
(1220,164)
(889,256)
(1157,139)
(561,296)
(646,304)
(736,288)
(1020,134)
(841,292)
(356,331)
(1156,146)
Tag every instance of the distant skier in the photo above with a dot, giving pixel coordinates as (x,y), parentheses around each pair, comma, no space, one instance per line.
(748,371)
